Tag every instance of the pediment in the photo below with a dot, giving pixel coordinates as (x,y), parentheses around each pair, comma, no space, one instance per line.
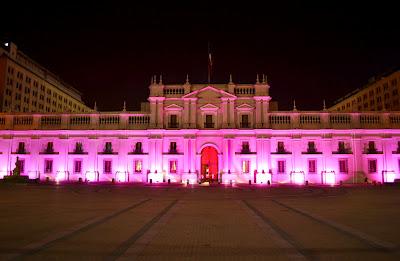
(245,107)
(173,107)
(209,107)
(209,92)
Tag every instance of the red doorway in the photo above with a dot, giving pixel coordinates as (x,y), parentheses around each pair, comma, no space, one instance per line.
(209,164)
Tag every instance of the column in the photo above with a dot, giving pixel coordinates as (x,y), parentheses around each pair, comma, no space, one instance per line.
(153,113)
(193,120)
(358,158)
(186,122)
(232,114)
(225,155)
(152,154)
(264,116)
(224,114)
(267,153)
(186,155)
(160,113)
(258,113)
(260,154)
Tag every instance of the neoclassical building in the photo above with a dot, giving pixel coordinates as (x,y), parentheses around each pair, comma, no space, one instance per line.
(193,133)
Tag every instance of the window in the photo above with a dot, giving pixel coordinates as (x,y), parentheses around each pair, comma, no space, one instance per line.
(245,121)
(49,148)
(209,121)
(21,165)
(372,165)
(246,166)
(312,166)
(281,166)
(107,166)
(172,166)
(245,147)
(48,166)
(138,166)
(78,166)
(173,121)
(138,148)
(281,147)
(343,148)
(371,147)
(108,147)
(172,147)
(343,166)
(311,147)
(21,148)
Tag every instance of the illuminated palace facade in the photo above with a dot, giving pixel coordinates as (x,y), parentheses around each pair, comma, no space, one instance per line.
(204,132)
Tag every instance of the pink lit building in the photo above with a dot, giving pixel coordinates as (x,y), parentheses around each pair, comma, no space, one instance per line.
(204,132)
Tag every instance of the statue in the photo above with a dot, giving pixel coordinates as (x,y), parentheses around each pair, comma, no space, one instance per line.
(17,170)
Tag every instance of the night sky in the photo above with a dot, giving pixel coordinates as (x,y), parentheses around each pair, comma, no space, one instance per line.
(109,52)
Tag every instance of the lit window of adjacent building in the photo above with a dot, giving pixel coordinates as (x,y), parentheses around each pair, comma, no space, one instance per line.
(343,166)
(138,166)
(173,166)
(78,166)
(246,166)
(48,166)
(107,166)
(312,166)
(372,165)
(281,166)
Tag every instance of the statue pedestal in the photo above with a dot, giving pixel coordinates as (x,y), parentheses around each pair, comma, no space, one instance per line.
(16,179)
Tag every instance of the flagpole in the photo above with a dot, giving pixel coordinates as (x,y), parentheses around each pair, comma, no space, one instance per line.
(209,64)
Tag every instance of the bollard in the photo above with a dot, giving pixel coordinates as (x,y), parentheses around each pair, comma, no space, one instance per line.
(151,181)
(269,183)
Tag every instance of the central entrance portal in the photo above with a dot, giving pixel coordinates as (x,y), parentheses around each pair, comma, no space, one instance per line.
(209,164)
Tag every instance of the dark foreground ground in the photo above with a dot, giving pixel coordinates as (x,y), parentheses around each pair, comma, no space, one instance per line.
(109,222)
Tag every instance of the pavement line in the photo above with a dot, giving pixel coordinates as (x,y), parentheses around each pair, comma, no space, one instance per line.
(363,237)
(143,235)
(62,235)
(279,236)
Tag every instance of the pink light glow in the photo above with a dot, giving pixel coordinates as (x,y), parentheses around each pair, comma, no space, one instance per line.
(91,176)
(297,177)
(389,176)
(121,176)
(263,178)
(2,174)
(155,177)
(328,177)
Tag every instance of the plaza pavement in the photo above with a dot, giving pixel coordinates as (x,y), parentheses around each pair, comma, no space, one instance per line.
(136,222)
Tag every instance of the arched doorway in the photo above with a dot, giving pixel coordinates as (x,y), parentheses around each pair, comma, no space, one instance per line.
(209,164)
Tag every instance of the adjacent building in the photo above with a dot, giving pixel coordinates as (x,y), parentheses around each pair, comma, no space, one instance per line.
(204,133)
(25,86)
(380,94)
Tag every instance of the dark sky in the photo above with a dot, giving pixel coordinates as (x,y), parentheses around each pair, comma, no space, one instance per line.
(310,52)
